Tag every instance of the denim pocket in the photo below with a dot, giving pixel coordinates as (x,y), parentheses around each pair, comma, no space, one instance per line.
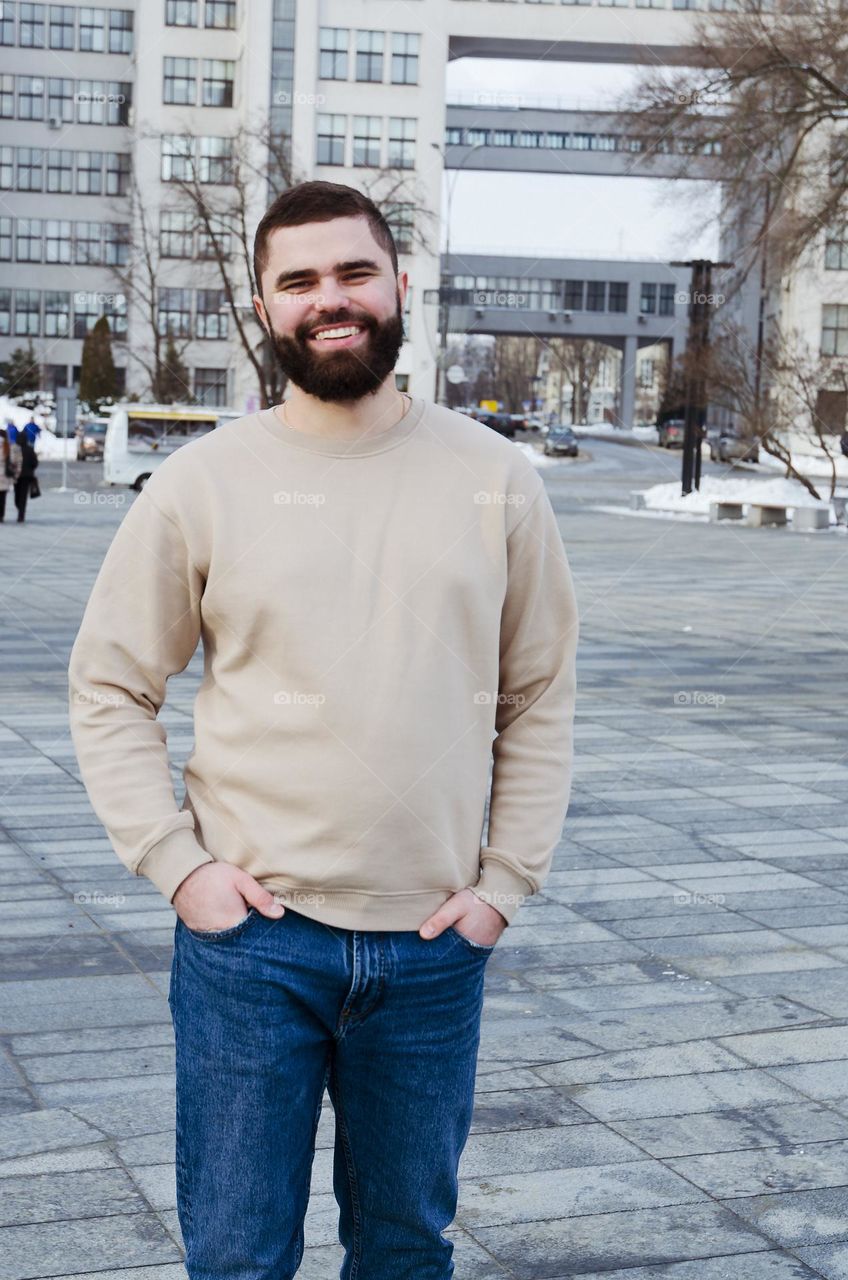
(217,935)
(470,943)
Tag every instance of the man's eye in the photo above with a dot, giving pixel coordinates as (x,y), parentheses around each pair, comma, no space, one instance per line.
(358,275)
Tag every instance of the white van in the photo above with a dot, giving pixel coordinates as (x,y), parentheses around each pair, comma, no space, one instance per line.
(140,436)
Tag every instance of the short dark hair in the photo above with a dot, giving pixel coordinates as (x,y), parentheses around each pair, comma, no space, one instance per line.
(319,202)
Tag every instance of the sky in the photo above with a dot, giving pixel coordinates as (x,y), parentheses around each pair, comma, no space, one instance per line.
(572,215)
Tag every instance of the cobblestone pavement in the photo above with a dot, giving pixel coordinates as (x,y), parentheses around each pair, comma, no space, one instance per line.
(662,1081)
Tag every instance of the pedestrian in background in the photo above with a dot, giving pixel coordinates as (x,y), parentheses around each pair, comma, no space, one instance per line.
(10,466)
(25,481)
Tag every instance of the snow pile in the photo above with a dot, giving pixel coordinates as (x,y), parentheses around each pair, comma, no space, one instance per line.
(780,492)
(47,444)
(534,455)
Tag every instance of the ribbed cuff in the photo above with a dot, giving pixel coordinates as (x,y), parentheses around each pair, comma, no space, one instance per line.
(171,859)
(501,887)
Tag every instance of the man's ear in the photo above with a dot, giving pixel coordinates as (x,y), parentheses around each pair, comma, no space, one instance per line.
(259,308)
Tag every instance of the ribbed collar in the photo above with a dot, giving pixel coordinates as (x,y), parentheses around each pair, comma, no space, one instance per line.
(385,439)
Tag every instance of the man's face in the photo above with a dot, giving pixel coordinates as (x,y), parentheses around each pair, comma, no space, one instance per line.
(322,281)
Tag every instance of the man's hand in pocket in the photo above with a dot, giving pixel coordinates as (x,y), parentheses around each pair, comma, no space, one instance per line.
(218,895)
(469,915)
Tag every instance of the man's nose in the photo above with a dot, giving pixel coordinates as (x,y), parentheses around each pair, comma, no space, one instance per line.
(331,296)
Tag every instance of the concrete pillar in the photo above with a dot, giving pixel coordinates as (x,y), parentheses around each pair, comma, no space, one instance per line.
(627,383)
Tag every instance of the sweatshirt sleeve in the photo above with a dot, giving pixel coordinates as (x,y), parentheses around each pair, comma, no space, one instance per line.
(141,625)
(533,749)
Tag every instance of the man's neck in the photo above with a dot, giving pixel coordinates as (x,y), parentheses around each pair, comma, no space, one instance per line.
(342,420)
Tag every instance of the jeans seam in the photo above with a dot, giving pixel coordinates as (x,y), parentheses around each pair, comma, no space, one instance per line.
(302,1236)
(352,1183)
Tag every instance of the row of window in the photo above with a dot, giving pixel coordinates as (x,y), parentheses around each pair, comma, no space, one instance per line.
(558,295)
(371,55)
(368,131)
(715,5)
(176,307)
(555,140)
(187,13)
(60,100)
(64,26)
(82,173)
(53,313)
(189,159)
(180,88)
(60,240)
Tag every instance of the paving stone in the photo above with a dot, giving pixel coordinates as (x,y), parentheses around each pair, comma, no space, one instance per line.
(796,1218)
(780,1127)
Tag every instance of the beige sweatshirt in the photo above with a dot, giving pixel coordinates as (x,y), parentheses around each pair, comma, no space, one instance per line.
(372,614)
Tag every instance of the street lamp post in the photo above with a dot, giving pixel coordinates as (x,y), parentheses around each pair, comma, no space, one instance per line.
(444,294)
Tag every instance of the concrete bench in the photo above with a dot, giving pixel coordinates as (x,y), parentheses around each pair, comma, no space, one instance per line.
(805,519)
(761,514)
(725,511)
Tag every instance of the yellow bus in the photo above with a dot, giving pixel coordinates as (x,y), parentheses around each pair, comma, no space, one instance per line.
(140,436)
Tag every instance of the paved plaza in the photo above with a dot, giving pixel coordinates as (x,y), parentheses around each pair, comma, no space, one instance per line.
(663,1074)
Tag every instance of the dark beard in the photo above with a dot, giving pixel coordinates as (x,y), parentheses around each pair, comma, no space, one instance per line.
(346,374)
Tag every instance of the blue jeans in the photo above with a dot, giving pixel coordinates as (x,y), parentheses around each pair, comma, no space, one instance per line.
(269,1012)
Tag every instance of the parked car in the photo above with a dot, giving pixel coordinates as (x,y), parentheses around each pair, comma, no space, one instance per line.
(561,440)
(670,433)
(731,446)
(500,422)
(91,437)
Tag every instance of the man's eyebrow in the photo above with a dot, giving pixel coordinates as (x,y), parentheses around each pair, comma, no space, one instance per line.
(285,277)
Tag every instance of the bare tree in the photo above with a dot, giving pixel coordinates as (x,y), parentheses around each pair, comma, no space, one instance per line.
(578,360)
(766,101)
(516,360)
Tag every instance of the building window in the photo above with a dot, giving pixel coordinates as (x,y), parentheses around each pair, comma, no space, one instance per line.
(666,305)
(30,169)
(87,243)
(57,314)
(836,249)
(31,29)
(5,239)
(218,78)
(60,101)
(176,234)
(596,291)
(332,53)
(331,139)
(401,142)
(117,173)
(30,98)
(92,30)
(574,295)
(57,240)
(116,244)
(618,295)
(220,13)
(60,171)
(367,137)
(89,173)
(215,239)
(211,317)
(453,136)
(834,340)
(405,57)
(27,313)
(7,168)
(648,300)
(7,96)
(177,157)
(7,30)
(120,31)
(28,240)
(115,311)
(475,137)
(180,13)
(180,81)
(86,313)
(369,56)
(216,160)
(61,26)
(210,386)
(174,313)
(401,220)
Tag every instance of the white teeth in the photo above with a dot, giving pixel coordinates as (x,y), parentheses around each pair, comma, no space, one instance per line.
(337,333)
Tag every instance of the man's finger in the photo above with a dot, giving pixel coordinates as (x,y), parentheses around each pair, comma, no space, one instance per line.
(253,893)
(447,914)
